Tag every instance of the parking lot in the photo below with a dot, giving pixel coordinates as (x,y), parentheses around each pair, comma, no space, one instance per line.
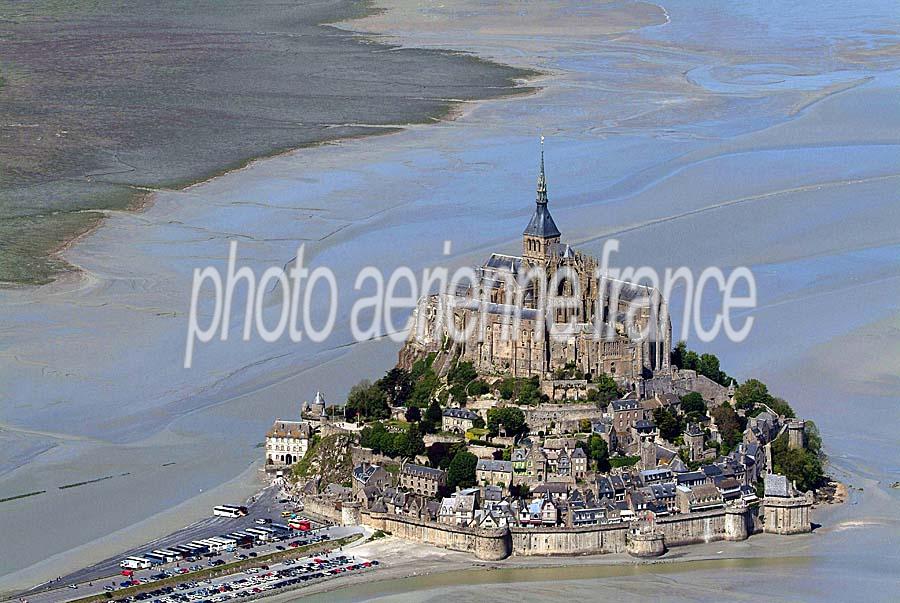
(258,580)
(107,576)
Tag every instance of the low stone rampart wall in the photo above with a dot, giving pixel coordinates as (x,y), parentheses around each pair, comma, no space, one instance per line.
(484,544)
(677,530)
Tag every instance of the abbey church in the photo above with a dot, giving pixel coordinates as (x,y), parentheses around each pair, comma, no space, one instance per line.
(509,325)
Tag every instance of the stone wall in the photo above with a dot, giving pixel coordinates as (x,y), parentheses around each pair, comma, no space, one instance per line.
(693,528)
(677,530)
(681,382)
(323,507)
(588,540)
(485,544)
(564,417)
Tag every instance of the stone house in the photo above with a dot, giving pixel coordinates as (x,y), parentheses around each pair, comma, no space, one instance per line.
(519,459)
(785,510)
(703,497)
(536,463)
(494,473)
(662,495)
(625,413)
(287,442)
(605,429)
(459,508)
(539,512)
(551,490)
(579,461)
(366,475)
(422,480)
(458,420)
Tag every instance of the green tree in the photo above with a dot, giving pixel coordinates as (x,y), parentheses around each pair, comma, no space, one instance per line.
(693,406)
(441,453)
(524,391)
(781,406)
(668,424)
(413,414)
(458,393)
(397,385)
(424,388)
(800,465)
(433,416)
(421,366)
(607,391)
(461,472)
(463,374)
(367,402)
(750,393)
(584,425)
(730,424)
(512,419)
(478,388)
(708,365)
(411,443)
(598,451)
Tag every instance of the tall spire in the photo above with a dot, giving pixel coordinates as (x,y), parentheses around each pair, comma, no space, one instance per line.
(541,224)
(542,179)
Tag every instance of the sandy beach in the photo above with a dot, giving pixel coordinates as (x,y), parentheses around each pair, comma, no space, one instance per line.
(740,135)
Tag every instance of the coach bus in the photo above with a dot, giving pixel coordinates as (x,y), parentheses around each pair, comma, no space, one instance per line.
(135,563)
(229,511)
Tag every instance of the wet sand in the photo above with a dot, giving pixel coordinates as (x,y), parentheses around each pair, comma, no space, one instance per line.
(690,147)
(103,102)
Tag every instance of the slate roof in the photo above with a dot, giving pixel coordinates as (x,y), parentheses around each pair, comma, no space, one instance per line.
(677,466)
(777,485)
(490,465)
(289,429)
(493,493)
(550,488)
(422,471)
(691,477)
(460,413)
(363,472)
(499,261)
(625,405)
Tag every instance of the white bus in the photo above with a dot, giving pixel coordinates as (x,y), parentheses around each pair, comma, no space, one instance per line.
(168,555)
(134,563)
(259,535)
(229,511)
(228,543)
(212,545)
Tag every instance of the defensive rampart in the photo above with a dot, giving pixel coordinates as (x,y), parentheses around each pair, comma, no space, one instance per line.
(491,545)
(495,544)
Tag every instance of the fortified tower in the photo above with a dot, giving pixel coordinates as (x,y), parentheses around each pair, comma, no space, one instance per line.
(693,439)
(795,429)
(644,539)
(785,510)
(737,521)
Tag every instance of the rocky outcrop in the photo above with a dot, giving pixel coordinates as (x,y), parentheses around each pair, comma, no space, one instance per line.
(328,460)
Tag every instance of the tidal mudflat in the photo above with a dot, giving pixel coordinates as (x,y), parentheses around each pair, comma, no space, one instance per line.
(103,102)
(694,133)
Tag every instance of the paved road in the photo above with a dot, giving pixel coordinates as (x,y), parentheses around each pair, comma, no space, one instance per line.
(93,579)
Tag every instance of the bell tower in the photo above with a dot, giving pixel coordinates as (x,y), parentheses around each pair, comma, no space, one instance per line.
(541,233)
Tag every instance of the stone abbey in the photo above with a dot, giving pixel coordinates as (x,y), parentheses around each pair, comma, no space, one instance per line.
(551,309)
